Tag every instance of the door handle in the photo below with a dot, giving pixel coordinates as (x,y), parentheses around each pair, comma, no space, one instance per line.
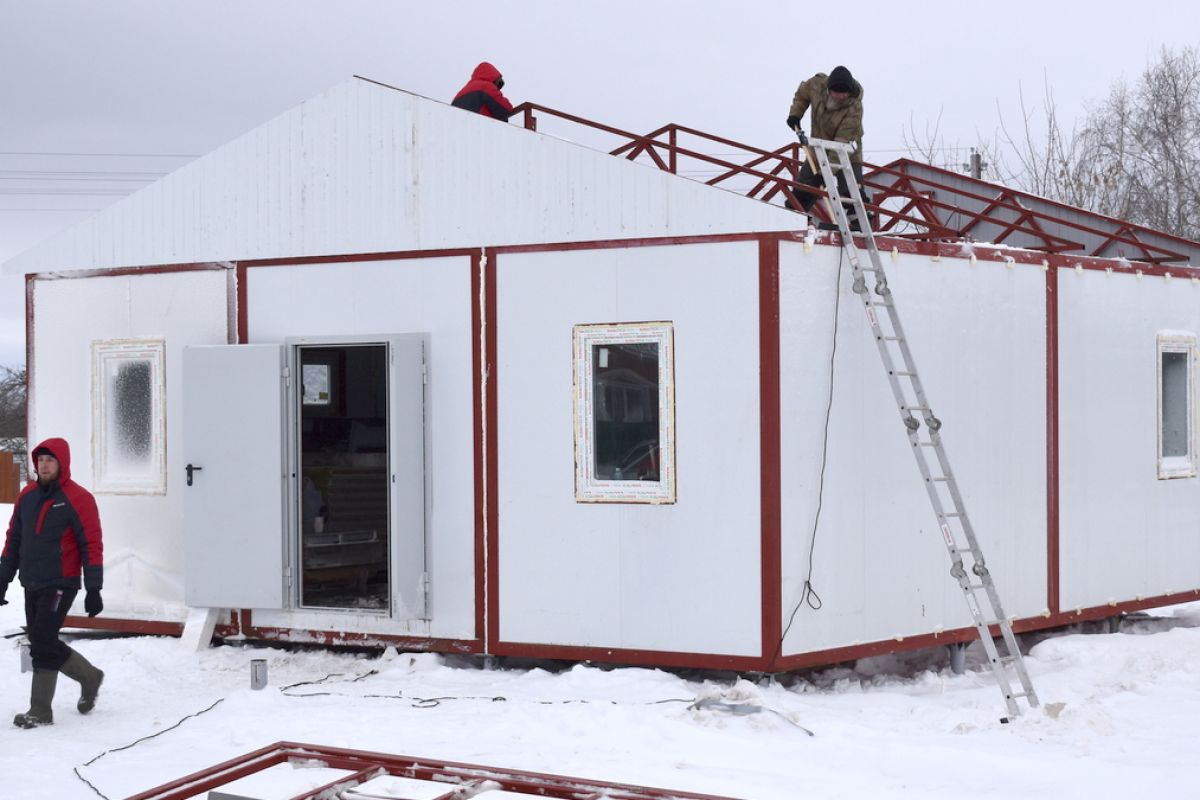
(190,469)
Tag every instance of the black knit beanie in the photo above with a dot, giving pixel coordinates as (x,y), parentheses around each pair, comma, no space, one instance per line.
(840,80)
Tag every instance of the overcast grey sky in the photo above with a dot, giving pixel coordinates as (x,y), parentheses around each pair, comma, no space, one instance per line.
(151,83)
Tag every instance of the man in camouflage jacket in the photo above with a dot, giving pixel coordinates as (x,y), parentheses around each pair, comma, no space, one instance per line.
(836,112)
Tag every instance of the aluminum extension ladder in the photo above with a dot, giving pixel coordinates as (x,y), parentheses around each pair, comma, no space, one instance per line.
(975,578)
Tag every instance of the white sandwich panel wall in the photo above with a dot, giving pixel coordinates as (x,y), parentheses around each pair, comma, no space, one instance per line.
(143,542)
(428,295)
(878,563)
(364,168)
(1124,532)
(681,577)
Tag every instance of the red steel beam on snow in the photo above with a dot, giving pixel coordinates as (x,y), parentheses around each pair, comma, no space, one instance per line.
(365,765)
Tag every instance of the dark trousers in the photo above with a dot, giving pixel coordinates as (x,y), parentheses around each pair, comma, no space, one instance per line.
(45,611)
(810,178)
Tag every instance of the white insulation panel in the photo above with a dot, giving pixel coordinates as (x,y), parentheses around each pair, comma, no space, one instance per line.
(679,577)
(879,564)
(1124,533)
(363,168)
(143,533)
(374,298)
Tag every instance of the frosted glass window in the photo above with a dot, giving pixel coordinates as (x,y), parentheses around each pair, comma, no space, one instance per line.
(128,416)
(1176,407)
(624,413)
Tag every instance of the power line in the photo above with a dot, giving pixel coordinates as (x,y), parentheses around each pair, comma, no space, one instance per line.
(97,155)
(65,192)
(98,179)
(76,175)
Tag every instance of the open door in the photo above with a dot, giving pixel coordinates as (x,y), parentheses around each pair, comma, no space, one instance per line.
(234,481)
(407,432)
(359,425)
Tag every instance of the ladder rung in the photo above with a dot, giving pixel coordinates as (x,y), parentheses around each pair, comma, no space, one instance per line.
(893,339)
(914,408)
(950,514)
(941,480)
(905,374)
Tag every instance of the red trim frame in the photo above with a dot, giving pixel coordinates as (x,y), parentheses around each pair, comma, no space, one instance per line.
(1052,462)
(491,510)
(479,414)
(29,361)
(770,445)
(242,311)
(422,644)
(818,658)
(119,625)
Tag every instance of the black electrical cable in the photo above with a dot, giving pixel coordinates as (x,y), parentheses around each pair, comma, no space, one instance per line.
(418,702)
(137,742)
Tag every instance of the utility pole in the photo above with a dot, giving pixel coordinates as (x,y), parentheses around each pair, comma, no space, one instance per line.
(976,166)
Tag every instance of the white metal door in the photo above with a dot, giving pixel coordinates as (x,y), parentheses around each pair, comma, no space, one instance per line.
(233,489)
(406,431)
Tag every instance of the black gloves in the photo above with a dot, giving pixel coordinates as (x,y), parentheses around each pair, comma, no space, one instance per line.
(3,591)
(793,122)
(92,603)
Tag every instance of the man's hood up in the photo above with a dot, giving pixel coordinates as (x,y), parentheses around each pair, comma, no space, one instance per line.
(60,450)
(485,72)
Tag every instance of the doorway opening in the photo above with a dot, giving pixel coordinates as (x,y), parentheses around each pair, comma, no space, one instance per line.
(343,471)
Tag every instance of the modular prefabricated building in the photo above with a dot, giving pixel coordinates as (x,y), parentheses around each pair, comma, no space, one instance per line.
(384,371)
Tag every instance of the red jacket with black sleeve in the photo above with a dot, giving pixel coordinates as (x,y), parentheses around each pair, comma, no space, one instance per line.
(54,534)
(482,96)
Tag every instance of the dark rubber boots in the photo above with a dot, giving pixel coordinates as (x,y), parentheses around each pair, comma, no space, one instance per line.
(41,700)
(79,669)
(45,681)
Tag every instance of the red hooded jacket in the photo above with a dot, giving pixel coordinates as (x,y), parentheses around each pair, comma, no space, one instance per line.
(482,96)
(54,533)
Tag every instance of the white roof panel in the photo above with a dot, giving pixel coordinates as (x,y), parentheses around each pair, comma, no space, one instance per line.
(367,168)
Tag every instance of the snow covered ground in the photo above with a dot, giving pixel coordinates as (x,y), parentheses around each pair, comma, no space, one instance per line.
(891,727)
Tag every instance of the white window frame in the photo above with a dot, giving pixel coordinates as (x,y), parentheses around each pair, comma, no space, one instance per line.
(589,488)
(1177,466)
(153,479)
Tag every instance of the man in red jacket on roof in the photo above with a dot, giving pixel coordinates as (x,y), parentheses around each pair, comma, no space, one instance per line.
(482,94)
(54,534)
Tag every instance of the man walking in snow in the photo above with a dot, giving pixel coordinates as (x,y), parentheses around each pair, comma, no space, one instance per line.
(482,94)
(53,536)
(836,104)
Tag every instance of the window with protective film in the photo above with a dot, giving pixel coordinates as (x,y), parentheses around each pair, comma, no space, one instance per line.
(1176,405)
(625,413)
(128,416)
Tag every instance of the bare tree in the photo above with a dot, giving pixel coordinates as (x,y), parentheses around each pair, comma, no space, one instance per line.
(12,411)
(1135,156)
